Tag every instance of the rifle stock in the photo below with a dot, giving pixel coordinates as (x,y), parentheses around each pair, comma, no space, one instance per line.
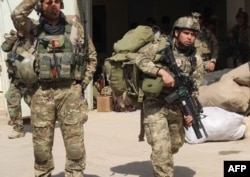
(184,94)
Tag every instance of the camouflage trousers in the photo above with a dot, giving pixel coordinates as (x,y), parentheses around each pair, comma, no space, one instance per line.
(14,96)
(61,102)
(165,133)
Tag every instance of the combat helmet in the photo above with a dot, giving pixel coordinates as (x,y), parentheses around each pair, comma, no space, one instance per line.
(196,15)
(242,14)
(187,22)
(38,6)
(24,64)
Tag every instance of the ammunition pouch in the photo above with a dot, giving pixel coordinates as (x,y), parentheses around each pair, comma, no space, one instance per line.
(79,66)
(55,68)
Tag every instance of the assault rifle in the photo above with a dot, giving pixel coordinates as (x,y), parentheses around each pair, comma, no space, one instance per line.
(85,27)
(183,94)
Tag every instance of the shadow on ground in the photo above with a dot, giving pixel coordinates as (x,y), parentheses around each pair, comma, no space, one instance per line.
(62,175)
(180,171)
(144,169)
(141,169)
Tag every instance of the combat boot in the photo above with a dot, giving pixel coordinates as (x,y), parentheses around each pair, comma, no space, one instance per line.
(11,123)
(74,174)
(17,132)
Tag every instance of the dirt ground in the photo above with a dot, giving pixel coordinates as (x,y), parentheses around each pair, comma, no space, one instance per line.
(113,150)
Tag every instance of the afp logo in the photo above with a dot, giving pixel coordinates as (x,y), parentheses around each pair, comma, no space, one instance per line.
(236,168)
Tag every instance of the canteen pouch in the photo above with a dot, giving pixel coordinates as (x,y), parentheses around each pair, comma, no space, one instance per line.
(152,86)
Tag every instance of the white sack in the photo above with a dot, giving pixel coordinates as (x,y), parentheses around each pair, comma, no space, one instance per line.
(220,125)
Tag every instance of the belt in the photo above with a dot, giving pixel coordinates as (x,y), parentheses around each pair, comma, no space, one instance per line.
(19,84)
(55,84)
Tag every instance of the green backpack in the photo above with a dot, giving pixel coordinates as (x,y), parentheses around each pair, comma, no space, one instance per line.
(122,73)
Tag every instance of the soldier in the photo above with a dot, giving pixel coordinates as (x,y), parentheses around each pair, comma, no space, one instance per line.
(17,89)
(207,44)
(163,123)
(240,38)
(63,70)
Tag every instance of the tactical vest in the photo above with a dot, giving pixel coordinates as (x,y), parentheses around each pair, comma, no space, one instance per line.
(57,59)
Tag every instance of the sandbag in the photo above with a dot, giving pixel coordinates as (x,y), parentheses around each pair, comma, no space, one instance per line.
(246,91)
(225,94)
(220,125)
(241,75)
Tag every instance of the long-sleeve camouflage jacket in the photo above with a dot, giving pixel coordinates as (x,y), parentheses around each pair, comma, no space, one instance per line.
(207,45)
(20,18)
(147,64)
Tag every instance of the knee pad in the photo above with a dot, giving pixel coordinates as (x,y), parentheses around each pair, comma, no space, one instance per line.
(74,152)
(40,154)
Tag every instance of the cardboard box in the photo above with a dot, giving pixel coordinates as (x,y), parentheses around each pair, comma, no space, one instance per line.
(104,103)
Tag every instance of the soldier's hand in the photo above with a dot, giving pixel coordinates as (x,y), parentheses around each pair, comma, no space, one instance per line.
(167,79)
(188,120)
(210,66)
(20,34)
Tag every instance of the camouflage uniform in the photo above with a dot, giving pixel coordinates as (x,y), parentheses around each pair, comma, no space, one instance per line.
(59,100)
(14,96)
(206,43)
(239,37)
(17,90)
(242,43)
(164,123)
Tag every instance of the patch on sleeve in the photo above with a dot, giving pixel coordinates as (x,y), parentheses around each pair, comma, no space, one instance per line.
(178,62)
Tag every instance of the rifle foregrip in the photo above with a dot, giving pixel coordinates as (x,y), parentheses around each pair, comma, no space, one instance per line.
(197,130)
(195,124)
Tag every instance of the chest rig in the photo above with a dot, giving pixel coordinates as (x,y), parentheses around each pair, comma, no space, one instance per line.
(57,59)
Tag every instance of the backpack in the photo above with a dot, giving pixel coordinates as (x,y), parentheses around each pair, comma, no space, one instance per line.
(122,73)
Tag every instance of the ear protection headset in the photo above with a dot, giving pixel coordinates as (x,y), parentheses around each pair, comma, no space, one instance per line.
(39,7)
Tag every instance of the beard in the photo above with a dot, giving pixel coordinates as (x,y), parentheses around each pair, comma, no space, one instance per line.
(52,14)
